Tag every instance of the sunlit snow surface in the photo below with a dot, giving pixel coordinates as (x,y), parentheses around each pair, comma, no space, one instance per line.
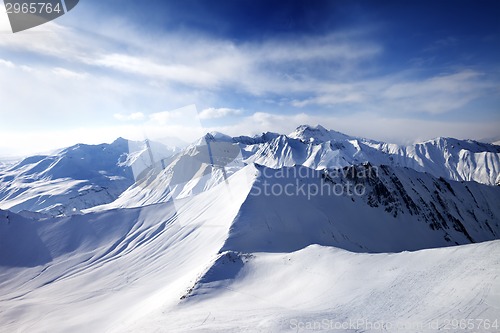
(173,267)
(207,250)
(74,178)
(83,176)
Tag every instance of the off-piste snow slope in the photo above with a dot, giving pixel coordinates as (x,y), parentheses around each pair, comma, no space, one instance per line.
(306,232)
(234,258)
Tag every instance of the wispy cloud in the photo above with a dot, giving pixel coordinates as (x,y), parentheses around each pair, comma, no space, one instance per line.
(442,43)
(114,73)
(405,94)
(6,63)
(69,73)
(129,117)
(214,113)
(271,66)
(438,94)
(179,73)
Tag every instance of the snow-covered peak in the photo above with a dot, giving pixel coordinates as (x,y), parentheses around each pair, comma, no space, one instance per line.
(218,136)
(119,142)
(76,177)
(170,265)
(77,173)
(445,143)
(213,136)
(257,139)
(317,134)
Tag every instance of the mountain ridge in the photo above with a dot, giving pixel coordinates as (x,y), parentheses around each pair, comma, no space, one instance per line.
(71,180)
(125,268)
(221,239)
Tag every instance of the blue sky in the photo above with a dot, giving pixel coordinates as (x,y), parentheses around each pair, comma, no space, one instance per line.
(399,71)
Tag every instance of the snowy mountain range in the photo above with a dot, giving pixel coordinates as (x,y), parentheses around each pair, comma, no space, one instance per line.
(269,233)
(85,176)
(317,147)
(74,178)
(191,171)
